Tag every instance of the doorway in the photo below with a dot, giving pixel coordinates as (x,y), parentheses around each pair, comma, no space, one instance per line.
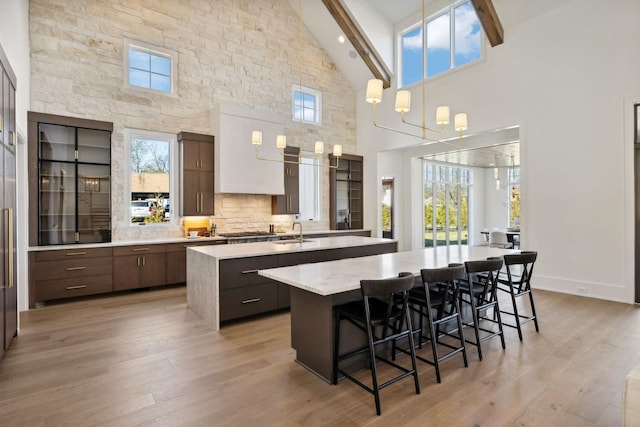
(387,208)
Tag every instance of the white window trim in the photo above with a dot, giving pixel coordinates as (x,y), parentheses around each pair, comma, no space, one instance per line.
(173,173)
(310,91)
(156,50)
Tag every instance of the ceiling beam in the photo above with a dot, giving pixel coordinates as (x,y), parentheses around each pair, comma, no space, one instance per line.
(359,41)
(490,21)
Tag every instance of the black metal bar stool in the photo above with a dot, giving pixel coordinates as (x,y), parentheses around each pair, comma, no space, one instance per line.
(439,292)
(517,282)
(480,292)
(383,314)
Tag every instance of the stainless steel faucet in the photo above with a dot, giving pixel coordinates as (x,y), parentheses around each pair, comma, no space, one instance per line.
(294,226)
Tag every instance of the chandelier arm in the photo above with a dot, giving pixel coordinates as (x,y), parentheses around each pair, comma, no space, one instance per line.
(298,162)
(421,126)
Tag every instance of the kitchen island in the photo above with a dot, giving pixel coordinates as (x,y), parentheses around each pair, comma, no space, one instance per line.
(316,288)
(223,282)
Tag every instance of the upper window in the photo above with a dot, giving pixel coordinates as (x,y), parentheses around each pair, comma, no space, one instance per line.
(150,67)
(307,105)
(150,183)
(450,43)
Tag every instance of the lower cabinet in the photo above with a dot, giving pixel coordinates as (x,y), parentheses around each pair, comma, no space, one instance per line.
(67,273)
(139,267)
(245,293)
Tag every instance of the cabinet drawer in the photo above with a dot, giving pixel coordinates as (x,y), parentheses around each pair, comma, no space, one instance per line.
(70,268)
(71,253)
(244,271)
(248,300)
(139,250)
(75,287)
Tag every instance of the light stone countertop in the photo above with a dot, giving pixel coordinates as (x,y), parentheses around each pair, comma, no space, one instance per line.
(245,250)
(333,277)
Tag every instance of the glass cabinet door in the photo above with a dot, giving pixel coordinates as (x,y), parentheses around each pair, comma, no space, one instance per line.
(94,146)
(94,200)
(57,204)
(56,142)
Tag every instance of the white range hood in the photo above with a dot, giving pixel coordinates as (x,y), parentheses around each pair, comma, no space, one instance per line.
(236,168)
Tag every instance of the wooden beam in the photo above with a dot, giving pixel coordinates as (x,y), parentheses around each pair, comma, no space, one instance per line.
(490,21)
(358,40)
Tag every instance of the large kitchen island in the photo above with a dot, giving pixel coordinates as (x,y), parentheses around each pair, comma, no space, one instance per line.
(223,282)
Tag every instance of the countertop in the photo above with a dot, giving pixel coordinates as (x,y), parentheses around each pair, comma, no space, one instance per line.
(245,250)
(332,277)
(165,240)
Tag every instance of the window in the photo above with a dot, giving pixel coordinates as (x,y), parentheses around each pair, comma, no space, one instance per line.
(309,178)
(307,105)
(150,181)
(450,43)
(445,205)
(150,67)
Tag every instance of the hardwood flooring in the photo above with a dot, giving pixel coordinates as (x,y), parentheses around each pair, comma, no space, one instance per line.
(143,359)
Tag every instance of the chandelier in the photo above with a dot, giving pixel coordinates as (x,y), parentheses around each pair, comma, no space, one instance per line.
(281,140)
(403,104)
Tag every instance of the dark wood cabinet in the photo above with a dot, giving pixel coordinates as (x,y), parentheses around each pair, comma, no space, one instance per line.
(289,203)
(68,273)
(345,192)
(70,188)
(8,213)
(140,266)
(196,174)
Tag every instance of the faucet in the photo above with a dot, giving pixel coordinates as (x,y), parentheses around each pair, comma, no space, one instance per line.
(294,226)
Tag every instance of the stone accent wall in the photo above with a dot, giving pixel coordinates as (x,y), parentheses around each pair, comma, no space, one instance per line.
(239,51)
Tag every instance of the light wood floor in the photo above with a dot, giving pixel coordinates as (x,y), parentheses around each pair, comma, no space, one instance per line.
(143,359)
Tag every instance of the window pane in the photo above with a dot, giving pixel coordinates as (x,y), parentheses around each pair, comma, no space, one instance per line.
(309,189)
(160,65)
(139,78)
(309,115)
(149,165)
(412,57)
(438,45)
(467,35)
(139,60)
(161,83)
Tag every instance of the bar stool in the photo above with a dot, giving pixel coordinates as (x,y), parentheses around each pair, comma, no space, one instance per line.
(480,292)
(384,306)
(519,285)
(439,292)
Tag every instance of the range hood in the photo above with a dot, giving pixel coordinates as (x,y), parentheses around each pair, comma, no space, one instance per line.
(236,168)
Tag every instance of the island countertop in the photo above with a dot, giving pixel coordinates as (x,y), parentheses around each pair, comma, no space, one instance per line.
(245,250)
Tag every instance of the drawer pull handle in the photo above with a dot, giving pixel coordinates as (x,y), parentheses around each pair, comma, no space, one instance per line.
(75,253)
(140,249)
(75,268)
(249,271)
(249,301)
(70,288)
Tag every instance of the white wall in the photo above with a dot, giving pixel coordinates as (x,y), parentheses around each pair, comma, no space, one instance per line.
(14,39)
(569,88)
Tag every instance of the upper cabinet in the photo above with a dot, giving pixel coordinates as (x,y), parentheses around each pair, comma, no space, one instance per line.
(289,203)
(237,168)
(345,192)
(196,174)
(70,189)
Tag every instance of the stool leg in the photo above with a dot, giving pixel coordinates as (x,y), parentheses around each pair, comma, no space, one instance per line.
(412,346)
(515,313)
(533,311)
(374,371)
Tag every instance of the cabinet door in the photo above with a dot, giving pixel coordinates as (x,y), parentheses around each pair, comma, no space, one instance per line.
(190,193)
(205,188)
(153,271)
(205,155)
(190,155)
(176,265)
(94,203)
(57,204)
(126,272)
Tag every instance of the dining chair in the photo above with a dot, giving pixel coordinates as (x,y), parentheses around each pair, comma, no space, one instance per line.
(499,239)
(383,314)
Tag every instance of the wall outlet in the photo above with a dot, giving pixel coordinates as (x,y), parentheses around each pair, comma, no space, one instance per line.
(581,290)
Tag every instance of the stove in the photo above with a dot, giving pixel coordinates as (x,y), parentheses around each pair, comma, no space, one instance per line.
(249,237)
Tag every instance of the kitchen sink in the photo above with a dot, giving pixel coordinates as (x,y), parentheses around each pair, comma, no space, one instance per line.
(291,241)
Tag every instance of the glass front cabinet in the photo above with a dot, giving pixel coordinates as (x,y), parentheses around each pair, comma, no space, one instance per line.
(70,197)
